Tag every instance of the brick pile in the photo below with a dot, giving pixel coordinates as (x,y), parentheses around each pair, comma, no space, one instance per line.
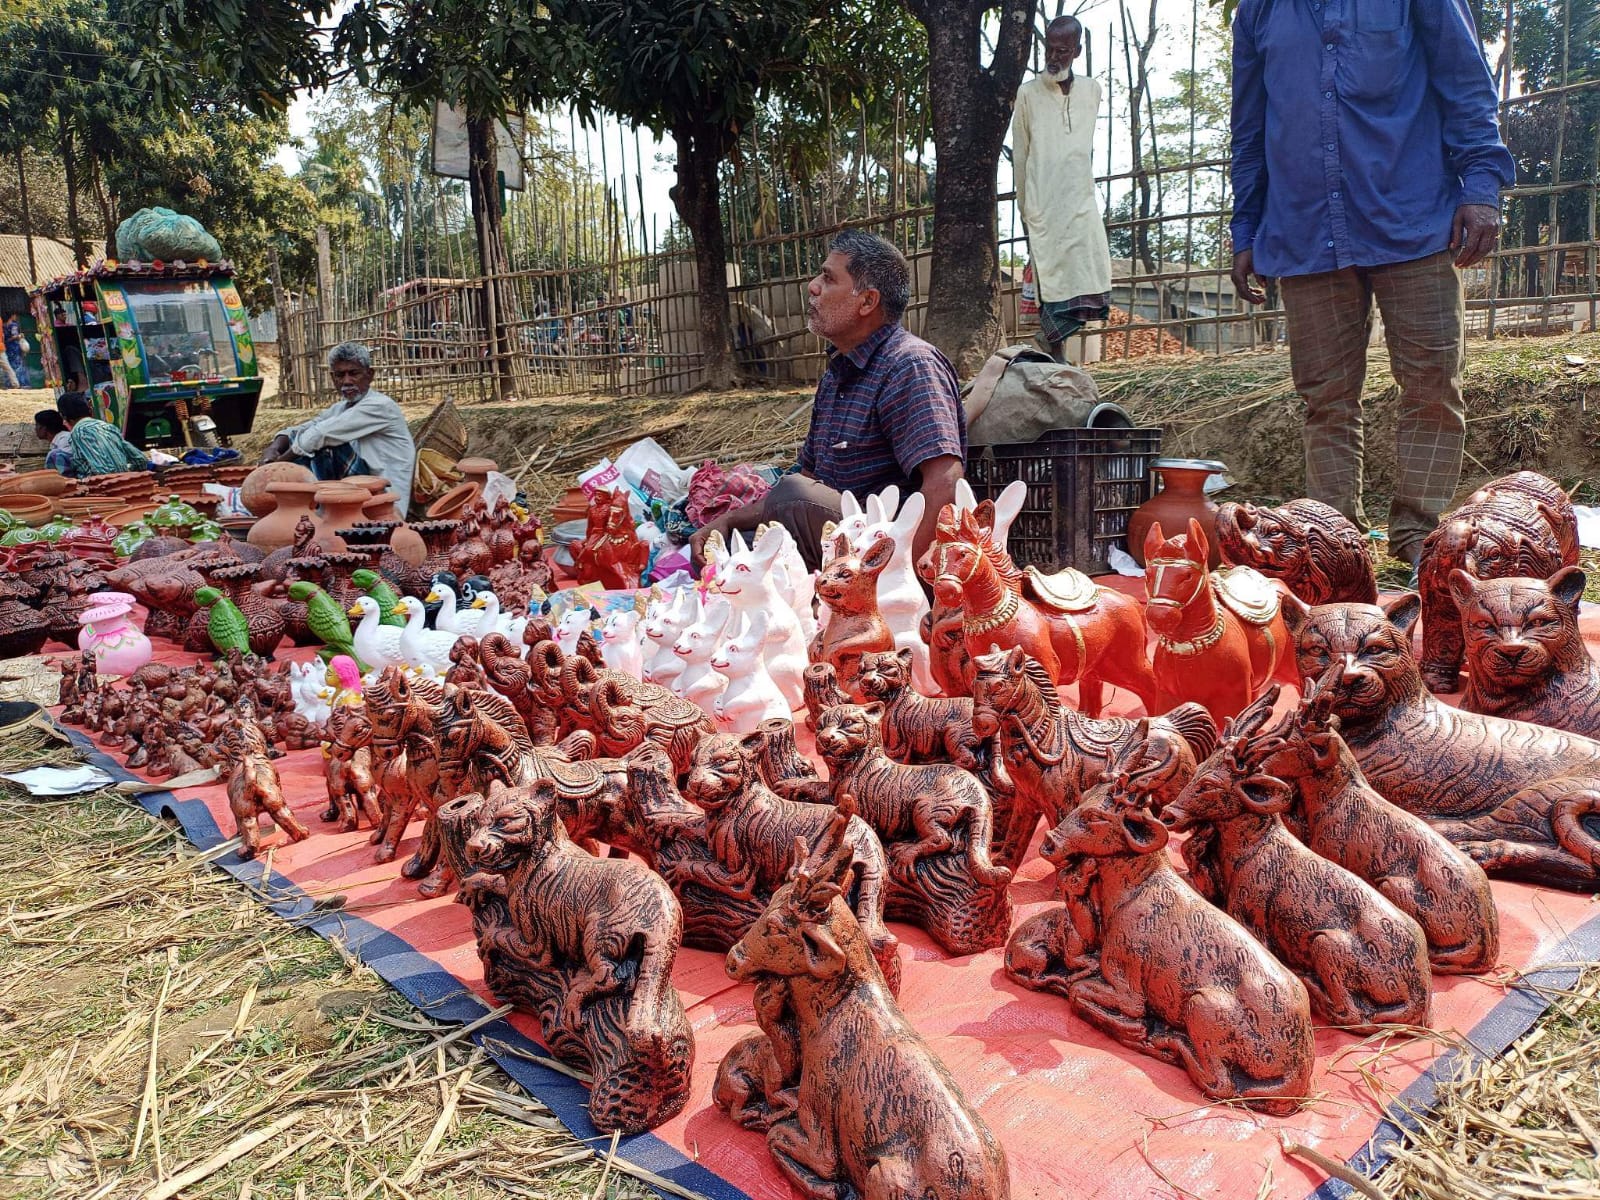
(1146,340)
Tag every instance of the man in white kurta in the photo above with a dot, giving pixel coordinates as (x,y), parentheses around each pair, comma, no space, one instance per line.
(1052,139)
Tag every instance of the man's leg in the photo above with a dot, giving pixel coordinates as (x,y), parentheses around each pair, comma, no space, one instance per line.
(333,462)
(802,506)
(1422,322)
(1328,317)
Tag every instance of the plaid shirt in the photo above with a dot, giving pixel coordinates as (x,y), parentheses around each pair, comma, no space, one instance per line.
(881,411)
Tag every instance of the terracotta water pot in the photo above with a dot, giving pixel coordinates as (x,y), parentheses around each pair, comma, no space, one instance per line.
(454,502)
(291,500)
(255,491)
(1181,497)
(339,507)
(476,470)
(408,545)
(384,507)
(374,484)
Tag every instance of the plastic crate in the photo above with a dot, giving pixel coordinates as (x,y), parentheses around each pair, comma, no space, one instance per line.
(1083,485)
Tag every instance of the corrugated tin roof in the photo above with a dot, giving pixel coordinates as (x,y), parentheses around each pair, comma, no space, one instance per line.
(54,259)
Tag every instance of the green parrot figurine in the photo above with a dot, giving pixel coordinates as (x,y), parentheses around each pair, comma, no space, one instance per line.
(225,624)
(376,586)
(326,618)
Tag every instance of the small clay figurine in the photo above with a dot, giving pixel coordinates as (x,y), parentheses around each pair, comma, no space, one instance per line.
(852,1100)
(822,691)
(1077,631)
(253,787)
(587,945)
(353,789)
(1144,958)
(1315,550)
(752,835)
(614,557)
(755,580)
(375,585)
(225,624)
(1520,525)
(751,696)
(1405,858)
(403,713)
(465,669)
(1363,961)
(935,822)
(917,729)
(781,765)
(1049,755)
(848,585)
(326,621)
(1523,800)
(1525,658)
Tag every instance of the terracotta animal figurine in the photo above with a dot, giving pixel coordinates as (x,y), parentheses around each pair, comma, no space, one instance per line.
(1337,814)
(352,779)
(253,786)
(1523,800)
(1311,547)
(404,713)
(1220,637)
(586,944)
(935,822)
(1077,631)
(1526,659)
(1144,958)
(1050,755)
(1363,961)
(822,691)
(781,765)
(917,729)
(852,1100)
(613,557)
(752,835)
(1520,525)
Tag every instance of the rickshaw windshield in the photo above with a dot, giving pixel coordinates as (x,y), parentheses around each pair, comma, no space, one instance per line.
(184,329)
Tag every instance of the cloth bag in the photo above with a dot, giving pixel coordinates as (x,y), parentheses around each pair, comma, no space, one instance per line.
(1021,392)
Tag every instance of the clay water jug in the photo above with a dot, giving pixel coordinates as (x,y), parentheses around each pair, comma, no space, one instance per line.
(1182,495)
(254,493)
(291,500)
(340,505)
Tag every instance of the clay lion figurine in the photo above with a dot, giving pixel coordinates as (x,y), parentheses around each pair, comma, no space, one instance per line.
(1314,549)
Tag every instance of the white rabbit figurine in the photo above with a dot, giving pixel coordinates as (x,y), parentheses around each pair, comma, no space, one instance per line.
(1006,506)
(309,695)
(698,682)
(751,696)
(664,621)
(901,601)
(748,581)
(619,642)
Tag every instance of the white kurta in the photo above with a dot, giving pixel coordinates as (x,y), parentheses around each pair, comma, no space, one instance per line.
(1052,141)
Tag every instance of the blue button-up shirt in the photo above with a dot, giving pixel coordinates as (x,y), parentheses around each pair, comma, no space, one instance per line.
(1359,126)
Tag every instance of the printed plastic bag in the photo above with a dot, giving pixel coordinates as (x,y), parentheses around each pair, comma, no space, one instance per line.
(652,472)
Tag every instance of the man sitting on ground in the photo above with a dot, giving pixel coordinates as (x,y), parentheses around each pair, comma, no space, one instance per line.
(888,407)
(96,447)
(49,427)
(364,433)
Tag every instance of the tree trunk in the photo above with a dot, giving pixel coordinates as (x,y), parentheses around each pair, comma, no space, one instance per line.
(698,198)
(972,106)
(487,223)
(27,219)
(80,249)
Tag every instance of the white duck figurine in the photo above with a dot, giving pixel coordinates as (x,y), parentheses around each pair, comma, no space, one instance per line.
(620,644)
(308,693)
(665,620)
(699,682)
(751,697)
(423,649)
(451,619)
(376,644)
(487,604)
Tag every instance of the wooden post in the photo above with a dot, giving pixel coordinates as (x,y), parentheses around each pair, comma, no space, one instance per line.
(27,220)
(324,273)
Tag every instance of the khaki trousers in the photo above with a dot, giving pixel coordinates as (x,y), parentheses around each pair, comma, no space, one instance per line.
(1329,318)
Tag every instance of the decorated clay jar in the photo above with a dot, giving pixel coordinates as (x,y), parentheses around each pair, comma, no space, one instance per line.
(119,646)
(1182,496)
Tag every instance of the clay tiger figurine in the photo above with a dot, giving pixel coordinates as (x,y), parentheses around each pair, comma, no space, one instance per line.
(1521,799)
(1311,547)
(1525,657)
(917,728)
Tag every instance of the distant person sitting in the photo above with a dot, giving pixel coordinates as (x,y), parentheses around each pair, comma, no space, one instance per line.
(49,427)
(364,433)
(96,447)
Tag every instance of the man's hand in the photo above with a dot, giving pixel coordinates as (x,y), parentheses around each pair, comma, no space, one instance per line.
(1244,267)
(277,448)
(697,542)
(1473,233)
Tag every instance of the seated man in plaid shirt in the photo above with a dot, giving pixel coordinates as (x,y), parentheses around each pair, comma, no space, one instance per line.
(888,407)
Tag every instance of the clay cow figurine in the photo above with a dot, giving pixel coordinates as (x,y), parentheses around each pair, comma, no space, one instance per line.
(1363,961)
(852,1100)
(1143,957)
(1526,659)
(1523,800)
(253,787)
(1520,525)
(1338,815)
(1220,636)
(934,820)
(586,944)
(1311,547)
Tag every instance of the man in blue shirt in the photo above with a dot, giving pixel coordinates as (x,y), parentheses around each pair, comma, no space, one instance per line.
(1367,164)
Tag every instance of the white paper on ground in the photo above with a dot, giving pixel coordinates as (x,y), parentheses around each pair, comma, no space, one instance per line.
(60,781)
(1588,526)
(1122,562)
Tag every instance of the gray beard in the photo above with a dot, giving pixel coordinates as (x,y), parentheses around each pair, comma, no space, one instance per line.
(1058,76)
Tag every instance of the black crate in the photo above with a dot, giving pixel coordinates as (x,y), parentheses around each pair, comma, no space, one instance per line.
(1083,485)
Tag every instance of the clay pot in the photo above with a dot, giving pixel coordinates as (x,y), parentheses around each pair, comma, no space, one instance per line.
(454,502)
(30,510)
(37,483)
(384,506)
(255,492)
(476,470)
(374,484)
(291,500)
(22,630)
(340,507)
(265,622)
(408,545)
(1181,497)
(119,646)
